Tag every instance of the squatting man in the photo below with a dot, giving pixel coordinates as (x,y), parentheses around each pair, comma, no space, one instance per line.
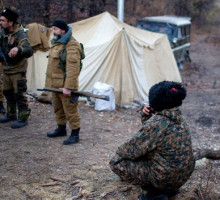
(159,157)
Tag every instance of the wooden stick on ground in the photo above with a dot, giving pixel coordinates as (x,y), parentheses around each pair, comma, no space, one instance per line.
(57,179)
(50,184)
(207,153)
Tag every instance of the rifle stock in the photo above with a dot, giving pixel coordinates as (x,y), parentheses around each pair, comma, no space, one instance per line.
(76,94)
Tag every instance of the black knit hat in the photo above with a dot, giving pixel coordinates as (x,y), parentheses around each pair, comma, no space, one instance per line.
(60,24)
(9,14)
(166,95)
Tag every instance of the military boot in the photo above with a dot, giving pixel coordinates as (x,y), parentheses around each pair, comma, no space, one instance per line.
(74,138)
(22,119)
(11,114)
(144,197)
(19,124)
(2,109)
(152,197)
(60,131)
(8,119)
(152,193)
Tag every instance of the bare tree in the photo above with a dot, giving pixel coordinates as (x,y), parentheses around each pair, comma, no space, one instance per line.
(197,9)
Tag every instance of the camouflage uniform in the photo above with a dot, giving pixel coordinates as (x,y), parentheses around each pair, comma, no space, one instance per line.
(15,83)
(159,155)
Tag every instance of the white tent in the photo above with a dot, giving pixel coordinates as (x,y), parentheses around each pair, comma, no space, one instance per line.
(129,59)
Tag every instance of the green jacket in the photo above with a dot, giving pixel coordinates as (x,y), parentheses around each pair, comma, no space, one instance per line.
(55,76)
(19,39)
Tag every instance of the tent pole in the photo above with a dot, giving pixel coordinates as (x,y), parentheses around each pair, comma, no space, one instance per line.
(121,10)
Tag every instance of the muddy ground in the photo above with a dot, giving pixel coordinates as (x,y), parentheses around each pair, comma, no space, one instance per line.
(36,167)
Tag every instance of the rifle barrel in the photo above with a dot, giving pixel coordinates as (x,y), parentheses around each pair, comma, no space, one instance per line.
(77,93)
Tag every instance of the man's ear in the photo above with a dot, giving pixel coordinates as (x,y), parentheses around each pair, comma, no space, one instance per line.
(10,23)
(63,32)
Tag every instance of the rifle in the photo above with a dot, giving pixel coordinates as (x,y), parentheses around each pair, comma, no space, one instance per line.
(76,94)
(4,58)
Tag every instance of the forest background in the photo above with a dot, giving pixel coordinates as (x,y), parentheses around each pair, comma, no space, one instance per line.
(204,13)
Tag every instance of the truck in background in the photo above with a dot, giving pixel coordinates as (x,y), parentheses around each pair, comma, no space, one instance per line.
(177,30)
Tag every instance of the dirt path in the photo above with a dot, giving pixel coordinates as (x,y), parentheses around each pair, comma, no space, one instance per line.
(29,160)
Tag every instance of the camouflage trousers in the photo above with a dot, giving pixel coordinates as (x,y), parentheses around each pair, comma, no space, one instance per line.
(65,111)
(130,171)
(139,173)
(15,86)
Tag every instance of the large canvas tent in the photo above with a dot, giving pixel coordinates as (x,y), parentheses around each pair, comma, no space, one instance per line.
(129,59)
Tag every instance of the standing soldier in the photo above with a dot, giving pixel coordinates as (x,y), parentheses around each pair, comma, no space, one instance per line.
(16,49)
(63,72)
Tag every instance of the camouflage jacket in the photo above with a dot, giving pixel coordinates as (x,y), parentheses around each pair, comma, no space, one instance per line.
(19,39)
(164,145)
